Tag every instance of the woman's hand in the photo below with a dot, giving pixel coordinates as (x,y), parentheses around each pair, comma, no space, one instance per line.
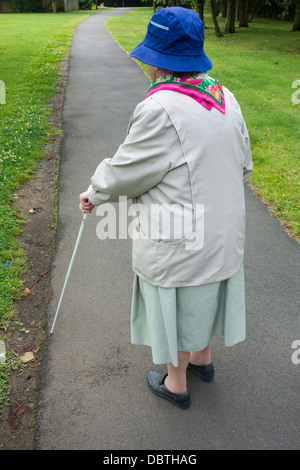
(85,205)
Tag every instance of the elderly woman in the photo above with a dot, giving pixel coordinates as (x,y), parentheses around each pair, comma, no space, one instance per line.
(183,162)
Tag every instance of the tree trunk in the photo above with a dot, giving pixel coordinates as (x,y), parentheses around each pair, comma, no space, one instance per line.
(230,17)
(296,24)
(54,6)
(154,6)
(243,13)
(217,7)
(224,8)
(254,9)
(200,9)
(214,18)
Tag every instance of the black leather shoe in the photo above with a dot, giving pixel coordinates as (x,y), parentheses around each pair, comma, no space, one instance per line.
(155,382)
(205,372)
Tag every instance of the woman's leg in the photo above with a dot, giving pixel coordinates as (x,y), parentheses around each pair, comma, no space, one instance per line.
(201,358)
(176,378)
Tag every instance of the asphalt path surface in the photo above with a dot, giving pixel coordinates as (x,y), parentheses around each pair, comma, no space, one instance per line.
(93,386)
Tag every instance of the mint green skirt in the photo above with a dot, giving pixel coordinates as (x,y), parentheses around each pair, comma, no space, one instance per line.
(187,318)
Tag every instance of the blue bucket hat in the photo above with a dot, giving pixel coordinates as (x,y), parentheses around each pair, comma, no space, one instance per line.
(174,41)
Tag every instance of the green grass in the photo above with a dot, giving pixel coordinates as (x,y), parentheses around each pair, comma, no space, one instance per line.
(31,49)
(258,64)
(12,362)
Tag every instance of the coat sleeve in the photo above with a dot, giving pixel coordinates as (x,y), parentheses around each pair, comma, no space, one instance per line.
(140,163)
(248,168)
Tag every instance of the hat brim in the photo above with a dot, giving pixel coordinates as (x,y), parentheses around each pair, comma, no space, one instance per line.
(178,63)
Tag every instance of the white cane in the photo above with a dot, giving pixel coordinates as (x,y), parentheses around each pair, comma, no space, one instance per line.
(69,269)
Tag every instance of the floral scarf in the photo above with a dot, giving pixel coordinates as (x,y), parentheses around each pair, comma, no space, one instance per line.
(207,91)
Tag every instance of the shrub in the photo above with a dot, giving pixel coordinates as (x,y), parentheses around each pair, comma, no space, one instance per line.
(85,4)
(33,6)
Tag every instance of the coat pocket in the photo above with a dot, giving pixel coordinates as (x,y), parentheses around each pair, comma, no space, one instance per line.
(163,223)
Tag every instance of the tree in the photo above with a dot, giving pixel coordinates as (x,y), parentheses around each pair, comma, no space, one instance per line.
(230,17)
(33,6)
(296,24)
(243,13)
(224,8)
(163,3)
(198,6)
(214,18)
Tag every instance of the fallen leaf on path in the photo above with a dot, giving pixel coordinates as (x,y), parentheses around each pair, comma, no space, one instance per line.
(32,211)
(27,357)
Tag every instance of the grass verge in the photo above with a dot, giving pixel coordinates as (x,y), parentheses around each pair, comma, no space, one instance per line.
(259,65)
(32,47)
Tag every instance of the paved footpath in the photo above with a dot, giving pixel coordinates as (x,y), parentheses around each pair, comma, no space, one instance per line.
(93,386)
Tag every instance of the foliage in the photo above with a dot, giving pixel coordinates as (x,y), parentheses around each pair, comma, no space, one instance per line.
(21,6)
(276,9)
(33,5)
(85,4)
(16,5)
